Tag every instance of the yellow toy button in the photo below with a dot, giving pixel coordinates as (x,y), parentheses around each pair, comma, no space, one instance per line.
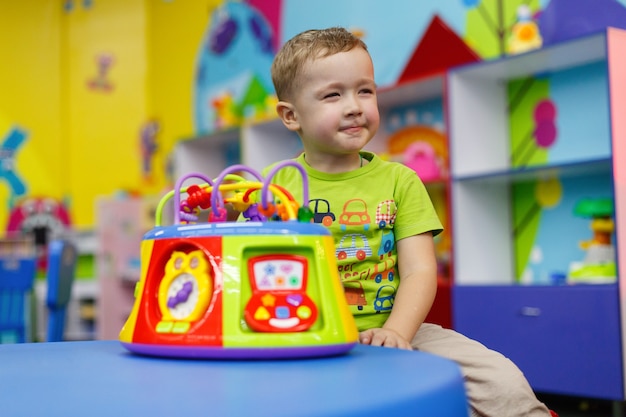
(261,313)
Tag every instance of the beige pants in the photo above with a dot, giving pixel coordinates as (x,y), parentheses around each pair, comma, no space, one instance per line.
(494,384)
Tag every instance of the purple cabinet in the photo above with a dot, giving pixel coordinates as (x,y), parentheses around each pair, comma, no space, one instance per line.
(566,339)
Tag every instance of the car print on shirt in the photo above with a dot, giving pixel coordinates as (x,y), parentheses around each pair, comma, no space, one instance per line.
(354,214)
(321,211)
(355,294)
(387,243)
(386,213)
(360,251)
(389,272)
(384,298)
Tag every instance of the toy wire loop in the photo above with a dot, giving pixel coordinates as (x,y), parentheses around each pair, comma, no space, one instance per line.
(277,203)
(178,187)
(278,167)
(216,198)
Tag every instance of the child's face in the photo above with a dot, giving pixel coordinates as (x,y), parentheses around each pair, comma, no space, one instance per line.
(335,105)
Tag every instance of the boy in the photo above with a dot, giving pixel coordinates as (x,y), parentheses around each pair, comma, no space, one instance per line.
(384,220)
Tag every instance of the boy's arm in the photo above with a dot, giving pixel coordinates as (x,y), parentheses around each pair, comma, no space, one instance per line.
(417,267)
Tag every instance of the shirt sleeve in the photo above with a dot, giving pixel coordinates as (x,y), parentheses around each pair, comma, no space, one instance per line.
(416,213)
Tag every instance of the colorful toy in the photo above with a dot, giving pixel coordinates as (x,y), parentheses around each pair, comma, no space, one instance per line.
(420,156)
(43,218)
(267,287)
(525,35)
(599,265)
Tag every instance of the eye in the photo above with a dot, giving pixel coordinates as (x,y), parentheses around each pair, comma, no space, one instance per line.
(331,95)
(367,91)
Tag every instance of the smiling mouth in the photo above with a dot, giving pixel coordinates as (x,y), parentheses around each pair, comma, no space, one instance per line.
(352,129)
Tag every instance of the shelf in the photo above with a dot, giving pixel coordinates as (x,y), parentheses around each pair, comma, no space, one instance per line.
(569,54)
(514,221)
(214,139)
(422,89)
(264,143)
(208,154)
(487,101)
(566,170)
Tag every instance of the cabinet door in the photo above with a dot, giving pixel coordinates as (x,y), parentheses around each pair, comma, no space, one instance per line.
(565,339)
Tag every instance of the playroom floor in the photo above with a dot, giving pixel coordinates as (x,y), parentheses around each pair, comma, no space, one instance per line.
(580,407)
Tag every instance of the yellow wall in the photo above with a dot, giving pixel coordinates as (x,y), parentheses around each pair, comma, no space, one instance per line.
(84,142)
(30,96)
(175,34)
(102,124)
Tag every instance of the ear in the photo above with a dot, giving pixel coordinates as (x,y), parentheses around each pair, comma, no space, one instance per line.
(287,113)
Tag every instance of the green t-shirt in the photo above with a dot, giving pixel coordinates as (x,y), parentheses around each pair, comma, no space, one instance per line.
(366,210)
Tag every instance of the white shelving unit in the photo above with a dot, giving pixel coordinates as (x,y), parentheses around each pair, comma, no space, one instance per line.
(204,154)
(419,90)
(480,154)
(566,338)
(390,98)
(255,145)
(265,143)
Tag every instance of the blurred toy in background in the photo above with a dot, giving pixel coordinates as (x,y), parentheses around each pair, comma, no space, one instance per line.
(267,287)
(254,104)
(148,146)
(420,157)
(421,148)
(42,218)
(599,265)
(525,35)
(101,81)
(226,112)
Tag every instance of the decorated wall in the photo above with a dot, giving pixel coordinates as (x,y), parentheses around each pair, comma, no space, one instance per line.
(95,93)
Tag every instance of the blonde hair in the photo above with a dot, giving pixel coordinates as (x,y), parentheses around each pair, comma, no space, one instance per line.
(306,46)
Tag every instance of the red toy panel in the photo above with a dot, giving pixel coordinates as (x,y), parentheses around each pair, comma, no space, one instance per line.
(279,302)
(182,293)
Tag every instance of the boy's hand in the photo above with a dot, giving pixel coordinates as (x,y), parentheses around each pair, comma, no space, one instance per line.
(384,337)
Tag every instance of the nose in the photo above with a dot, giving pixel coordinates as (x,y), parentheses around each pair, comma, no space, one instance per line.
(353,105)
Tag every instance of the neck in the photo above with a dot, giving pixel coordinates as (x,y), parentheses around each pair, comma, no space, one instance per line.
(335,164)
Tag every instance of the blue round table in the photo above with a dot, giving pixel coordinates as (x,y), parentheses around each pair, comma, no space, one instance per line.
(101,378)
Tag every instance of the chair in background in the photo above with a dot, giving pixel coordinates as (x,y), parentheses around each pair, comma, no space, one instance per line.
(18,267)
(62,257)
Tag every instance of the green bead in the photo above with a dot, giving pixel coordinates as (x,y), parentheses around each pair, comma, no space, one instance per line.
(305,215)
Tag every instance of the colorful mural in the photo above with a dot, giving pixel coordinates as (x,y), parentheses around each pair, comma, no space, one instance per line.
(233,80)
